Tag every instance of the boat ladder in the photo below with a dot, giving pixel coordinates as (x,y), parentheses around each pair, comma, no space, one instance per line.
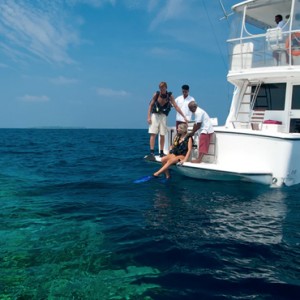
(210,157)
(245,115)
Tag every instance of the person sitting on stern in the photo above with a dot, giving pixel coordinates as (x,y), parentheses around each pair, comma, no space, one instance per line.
(179,152)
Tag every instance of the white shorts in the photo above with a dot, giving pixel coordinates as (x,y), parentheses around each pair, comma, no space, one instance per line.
(158,124)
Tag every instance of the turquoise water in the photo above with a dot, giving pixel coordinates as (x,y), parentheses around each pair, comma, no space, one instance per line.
(74,226)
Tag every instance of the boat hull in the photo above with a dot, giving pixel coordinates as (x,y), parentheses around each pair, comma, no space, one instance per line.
(269,158)
(211,173)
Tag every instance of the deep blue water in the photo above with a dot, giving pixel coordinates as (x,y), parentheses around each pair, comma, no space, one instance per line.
(74,226)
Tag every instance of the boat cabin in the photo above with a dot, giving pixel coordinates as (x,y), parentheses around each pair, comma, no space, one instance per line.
(265,66)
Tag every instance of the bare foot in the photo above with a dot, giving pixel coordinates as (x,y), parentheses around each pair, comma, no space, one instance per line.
(196,161)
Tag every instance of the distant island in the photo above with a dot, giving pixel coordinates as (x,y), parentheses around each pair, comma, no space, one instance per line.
(57,127)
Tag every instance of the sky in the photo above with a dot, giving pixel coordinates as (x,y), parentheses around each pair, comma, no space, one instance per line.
(97,63)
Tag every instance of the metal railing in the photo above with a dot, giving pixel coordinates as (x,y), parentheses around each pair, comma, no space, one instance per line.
(257,51)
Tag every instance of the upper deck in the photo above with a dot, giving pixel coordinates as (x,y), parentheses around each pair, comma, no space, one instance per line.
(256,41)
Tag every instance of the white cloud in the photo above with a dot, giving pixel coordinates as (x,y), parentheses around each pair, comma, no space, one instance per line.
(172,10)
(31,98)
(186,22)
(13,53)
(61,80)
(41,32)
(107,92)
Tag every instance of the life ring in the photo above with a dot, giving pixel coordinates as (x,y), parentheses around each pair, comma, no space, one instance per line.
(295,42)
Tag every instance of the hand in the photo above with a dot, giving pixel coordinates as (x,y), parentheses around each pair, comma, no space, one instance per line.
(180,162)
(149,121)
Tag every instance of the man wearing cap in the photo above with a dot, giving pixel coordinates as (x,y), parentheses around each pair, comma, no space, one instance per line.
(204,127)
(183,102)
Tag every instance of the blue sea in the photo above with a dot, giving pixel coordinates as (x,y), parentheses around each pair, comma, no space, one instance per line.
(73,225)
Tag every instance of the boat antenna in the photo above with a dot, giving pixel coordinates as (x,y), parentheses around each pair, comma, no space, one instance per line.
(226,14)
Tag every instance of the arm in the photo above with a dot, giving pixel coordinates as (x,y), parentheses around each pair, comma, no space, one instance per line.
(150,108)
(187,156)
(196,127)
(178,108)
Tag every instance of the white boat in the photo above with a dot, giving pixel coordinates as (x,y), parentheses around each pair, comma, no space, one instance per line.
(260,141)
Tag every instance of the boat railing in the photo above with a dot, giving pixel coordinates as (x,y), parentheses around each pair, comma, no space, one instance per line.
(265,50)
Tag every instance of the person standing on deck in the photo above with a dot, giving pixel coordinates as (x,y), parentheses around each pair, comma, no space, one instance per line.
(159,108)
(204,127)
(183,102)
(280,24)
(279,21)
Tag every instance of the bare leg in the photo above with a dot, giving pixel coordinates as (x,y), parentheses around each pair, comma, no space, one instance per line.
(198,160)
(172,160)
(152,141)
(162,142)
(164,160)
(167,174)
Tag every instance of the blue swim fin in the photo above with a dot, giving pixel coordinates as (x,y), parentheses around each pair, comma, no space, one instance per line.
(164,180)
(144,179)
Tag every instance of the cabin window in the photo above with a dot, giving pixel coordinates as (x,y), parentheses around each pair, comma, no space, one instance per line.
(296,20)
(295,126)
(270,97)
(296,97)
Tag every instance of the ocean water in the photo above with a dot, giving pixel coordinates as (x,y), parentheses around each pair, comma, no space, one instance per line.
(73,225)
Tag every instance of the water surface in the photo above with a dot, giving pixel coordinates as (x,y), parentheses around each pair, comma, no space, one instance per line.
(74,226)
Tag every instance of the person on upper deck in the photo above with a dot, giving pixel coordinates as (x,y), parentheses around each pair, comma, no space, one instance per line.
(183,102)
(276,54)
(204,127)
(159,108)
(279,21)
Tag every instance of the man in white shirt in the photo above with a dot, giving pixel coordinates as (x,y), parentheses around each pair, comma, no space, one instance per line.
(279,21)
(276,54)
(183,102)
(204,127)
